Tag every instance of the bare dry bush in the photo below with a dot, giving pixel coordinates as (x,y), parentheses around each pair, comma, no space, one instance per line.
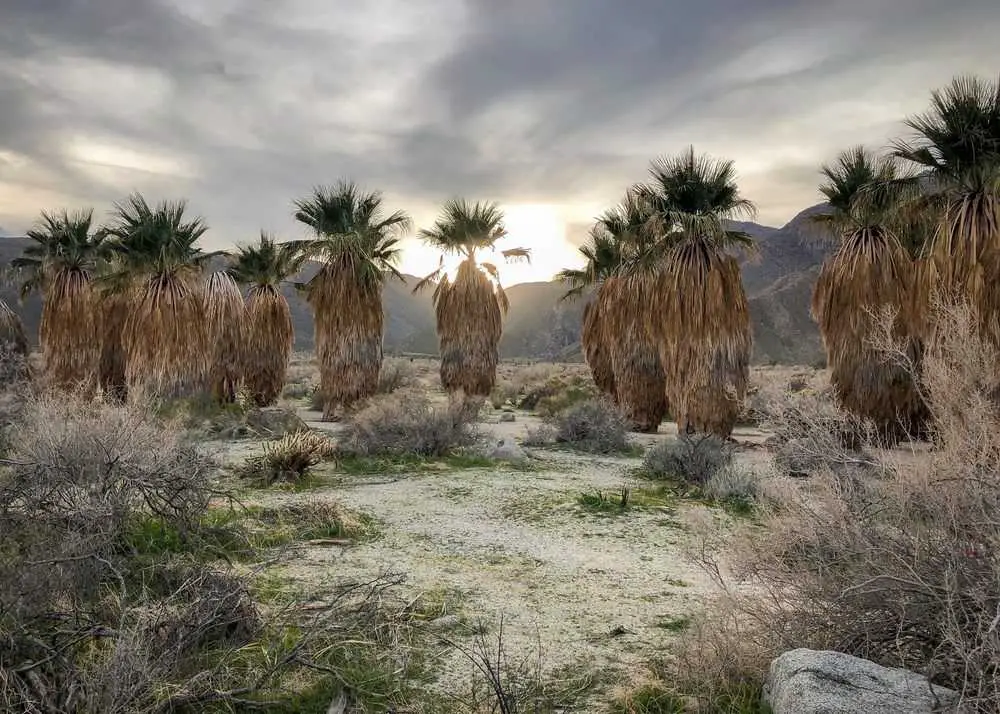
(408,423)
(692,459)
(898,563)
(595,426)
(396,374)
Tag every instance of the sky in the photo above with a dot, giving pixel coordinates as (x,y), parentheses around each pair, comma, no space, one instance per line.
(549,107)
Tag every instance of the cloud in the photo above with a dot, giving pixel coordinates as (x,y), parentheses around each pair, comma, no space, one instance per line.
(241,106)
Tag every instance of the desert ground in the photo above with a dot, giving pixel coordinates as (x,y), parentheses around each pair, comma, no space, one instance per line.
(587,597)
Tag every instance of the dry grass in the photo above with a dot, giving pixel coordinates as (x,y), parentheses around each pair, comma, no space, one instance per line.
(289,458)
(894,562)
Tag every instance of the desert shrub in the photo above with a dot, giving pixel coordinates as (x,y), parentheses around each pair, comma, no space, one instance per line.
(289,458)
(595,426)
(408,423)
(736,487)
(897,564)
(692,459)
(396,374)
(504,392)
(541,435)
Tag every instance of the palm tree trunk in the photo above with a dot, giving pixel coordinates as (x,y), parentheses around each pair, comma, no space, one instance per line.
(68,335)
(270,340)
(596,348)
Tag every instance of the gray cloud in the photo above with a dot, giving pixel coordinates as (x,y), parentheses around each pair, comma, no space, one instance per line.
(241,106)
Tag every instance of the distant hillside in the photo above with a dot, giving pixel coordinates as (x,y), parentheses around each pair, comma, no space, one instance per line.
(539,325)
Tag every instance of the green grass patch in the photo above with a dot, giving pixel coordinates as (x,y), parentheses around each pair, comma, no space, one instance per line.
(676,624)
(625,499)
(411,464)
(650,698)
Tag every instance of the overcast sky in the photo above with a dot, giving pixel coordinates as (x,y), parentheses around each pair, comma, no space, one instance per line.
(550,107)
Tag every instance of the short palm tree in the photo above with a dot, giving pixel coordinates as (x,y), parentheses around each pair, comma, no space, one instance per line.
(698,311)
(870,272)
(264,266)
(602,256)
(469,309)
(357,244)
(226,322)
(160,268)
(13,347)
(956,145)
(62,261)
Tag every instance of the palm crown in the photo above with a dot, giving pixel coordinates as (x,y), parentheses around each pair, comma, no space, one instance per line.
(691,197)
(352,230)
(157,240)
(266,263)
(63,243)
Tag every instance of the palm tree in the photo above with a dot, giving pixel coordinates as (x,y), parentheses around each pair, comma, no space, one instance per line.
(956,146)
(270,334)
(159,270)
(603,256)
(698,311)
(469,309)
(61,262)
(357,244)
(870,272)
(226,316)
(13,347)
(622,306)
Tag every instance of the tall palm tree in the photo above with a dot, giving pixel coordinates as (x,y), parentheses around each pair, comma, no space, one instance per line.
(62,261)
(159,268)
(956,145)
(469,309)
(226,322)
(698,312)
(357,245)
(270,334)
(870,271)
(622,305)
(603,256)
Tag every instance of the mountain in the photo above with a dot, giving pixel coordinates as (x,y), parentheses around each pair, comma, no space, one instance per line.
(540,325)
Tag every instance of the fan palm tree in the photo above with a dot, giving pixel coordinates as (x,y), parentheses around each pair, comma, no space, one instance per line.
(159,268)
(357,245)
(870,272)
(13,347)
(62,261)
(602,256)
(226,316)
(622,304)
(270,334)
(469,309)
(698,310)
(956,146)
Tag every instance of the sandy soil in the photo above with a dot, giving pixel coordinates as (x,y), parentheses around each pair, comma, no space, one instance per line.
(590,591)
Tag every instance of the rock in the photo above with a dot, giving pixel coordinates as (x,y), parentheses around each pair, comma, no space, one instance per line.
(274,422)
(807,681)
(445,622)
(507,450)
(507,417)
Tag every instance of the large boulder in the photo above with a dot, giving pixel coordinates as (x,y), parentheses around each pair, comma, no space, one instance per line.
(806,681)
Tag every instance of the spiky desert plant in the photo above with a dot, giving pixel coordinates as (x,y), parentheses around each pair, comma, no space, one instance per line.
(270,333)
(698,312)
(871,272)
(469,309)
(159,268)
(13,346)
(226,316)
(357,245)
(602,255)
(956,145)
(625,302)
(61,263)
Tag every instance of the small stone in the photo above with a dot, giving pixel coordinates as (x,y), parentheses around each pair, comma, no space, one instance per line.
(507,450)
(507,417)
(445,622)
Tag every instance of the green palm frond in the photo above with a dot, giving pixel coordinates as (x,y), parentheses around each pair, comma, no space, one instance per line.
(266,263)
(62,243)
(465,228)
(351,228)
